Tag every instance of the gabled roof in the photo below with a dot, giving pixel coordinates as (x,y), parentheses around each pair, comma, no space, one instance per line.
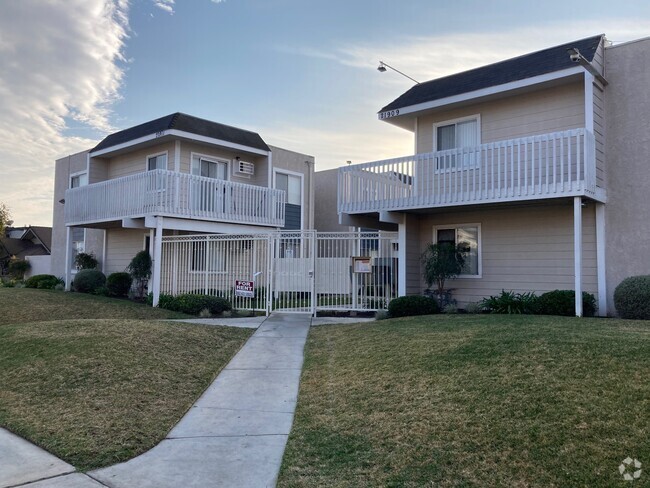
(43,234)
(185,123)
(514,69)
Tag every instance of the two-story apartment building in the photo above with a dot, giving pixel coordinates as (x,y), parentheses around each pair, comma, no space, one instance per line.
(175,175)
(538,163)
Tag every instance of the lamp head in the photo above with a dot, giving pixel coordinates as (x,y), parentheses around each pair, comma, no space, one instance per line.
(381,68)
(574,54)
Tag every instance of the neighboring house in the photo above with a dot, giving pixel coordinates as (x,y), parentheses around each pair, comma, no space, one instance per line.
(175,175)
(539,164)
(32,243)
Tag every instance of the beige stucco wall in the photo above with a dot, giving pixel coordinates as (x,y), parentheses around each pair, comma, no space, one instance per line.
(627,105)
(549,110)
(326,218)
(524,248)
(298,163)
(64,167)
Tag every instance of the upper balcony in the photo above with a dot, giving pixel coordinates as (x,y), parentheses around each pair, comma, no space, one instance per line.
(172,194)
(553,165)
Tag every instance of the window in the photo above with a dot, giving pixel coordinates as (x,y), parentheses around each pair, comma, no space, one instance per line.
(292,186)
(78,180)
(158,161)
(78,244)
(468,236)
(208,257)
(210,168)
(456,135)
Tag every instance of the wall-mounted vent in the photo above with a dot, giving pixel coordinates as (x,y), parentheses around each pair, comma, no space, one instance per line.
(244,168)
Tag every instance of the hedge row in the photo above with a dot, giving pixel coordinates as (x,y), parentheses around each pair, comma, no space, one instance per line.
(192,304)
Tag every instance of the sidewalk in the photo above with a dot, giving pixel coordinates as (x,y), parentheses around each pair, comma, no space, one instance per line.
(235,434)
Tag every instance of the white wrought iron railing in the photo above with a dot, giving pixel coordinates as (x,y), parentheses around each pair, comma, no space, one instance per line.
(168,193)
(543,166)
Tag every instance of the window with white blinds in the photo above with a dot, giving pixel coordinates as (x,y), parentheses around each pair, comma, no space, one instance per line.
(456,135)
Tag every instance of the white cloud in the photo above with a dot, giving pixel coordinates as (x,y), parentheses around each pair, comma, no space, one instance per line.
(60,61)
(166,5)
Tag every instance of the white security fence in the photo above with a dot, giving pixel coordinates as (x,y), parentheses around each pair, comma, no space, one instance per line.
(301,271)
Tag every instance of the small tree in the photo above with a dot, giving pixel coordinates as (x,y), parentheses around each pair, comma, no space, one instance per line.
(140,270)
(85,261)
(18,267)
(5,217)
(441,262)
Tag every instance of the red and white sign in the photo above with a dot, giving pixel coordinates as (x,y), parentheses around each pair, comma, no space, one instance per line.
(244,289)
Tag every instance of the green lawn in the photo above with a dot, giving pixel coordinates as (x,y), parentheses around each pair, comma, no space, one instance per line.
(93,385)
(30,305)
(469,400)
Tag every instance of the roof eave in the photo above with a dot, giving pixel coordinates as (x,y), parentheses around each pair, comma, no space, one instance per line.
(391,116)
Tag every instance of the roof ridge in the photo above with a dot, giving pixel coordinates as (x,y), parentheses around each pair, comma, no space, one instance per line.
(219,123)
(511,59)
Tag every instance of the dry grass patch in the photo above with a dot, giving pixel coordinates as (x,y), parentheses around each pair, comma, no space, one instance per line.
(97,392)
(30,305)
(471,401)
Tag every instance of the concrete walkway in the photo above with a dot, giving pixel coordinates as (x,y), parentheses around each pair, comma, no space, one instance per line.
(235,434)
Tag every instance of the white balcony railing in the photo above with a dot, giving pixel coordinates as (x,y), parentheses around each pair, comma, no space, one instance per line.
(168,193)
(544,166)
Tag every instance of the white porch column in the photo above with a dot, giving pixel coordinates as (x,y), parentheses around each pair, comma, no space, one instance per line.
(600,259)
(401,258)
(577,252)
(68,258)
(157,261)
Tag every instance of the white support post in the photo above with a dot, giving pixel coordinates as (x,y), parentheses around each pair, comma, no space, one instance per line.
(577,252)
(68,259)
(104,253)
(401,258)
(600,259)
(157,261)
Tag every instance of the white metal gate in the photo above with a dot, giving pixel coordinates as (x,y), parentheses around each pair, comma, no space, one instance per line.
(292,271)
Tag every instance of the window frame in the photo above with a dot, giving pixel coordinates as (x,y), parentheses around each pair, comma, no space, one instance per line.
(456,121)
(161,153)
(302,190)
(480,244)
(77,175)
(73,269)
(211,159)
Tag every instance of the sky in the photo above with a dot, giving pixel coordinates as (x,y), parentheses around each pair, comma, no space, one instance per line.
(301,73)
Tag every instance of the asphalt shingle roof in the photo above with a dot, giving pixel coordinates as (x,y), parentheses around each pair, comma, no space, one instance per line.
(514,69)
(186,123)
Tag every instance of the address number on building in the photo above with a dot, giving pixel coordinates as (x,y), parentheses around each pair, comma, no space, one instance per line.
(388,114)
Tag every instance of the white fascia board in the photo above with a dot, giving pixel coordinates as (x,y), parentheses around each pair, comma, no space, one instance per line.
(179,133)
(492,90)
(219,142)
(117,147)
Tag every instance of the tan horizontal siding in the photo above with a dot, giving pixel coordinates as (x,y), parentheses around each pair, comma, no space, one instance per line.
(121,246)
(136,161)
(523,249)
(549,110)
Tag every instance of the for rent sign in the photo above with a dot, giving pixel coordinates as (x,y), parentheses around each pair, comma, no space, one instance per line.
(244,289)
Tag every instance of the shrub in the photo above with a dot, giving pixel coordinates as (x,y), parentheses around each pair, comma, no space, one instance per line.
(101,291)
(18,267)
(88,280)
(119,284)
(442,262)
(509,302)
(562,302)
(412,305)
(194,304)
(85,261)
(473,308)
(43,281)
(632,297)
(140,270)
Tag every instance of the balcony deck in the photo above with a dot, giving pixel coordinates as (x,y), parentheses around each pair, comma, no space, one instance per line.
(172,194)
(553,165)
